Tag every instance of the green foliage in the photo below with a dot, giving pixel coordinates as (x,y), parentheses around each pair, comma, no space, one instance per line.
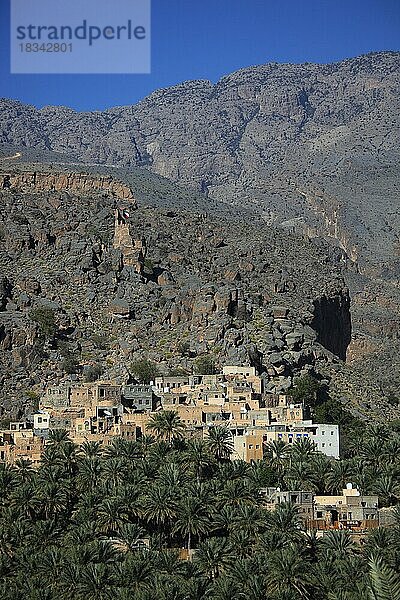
(144,370)
(204,365)
(100,341)
(177,372)
(184,348)
(148,263)
(329,410)
(94,523)
(46,319)
(166,425)
(93,372)
(385,581)
(220,442)
(33,397)
(70,364)
(395,425)
(305,390)
(393,399)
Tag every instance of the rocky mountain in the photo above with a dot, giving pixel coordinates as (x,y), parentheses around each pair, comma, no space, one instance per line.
(314,143)
(297,152)
(199,285)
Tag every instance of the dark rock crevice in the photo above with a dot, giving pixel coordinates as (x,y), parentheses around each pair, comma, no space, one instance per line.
(332,322)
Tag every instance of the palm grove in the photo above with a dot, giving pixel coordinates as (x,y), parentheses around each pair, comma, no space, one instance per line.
(74,528)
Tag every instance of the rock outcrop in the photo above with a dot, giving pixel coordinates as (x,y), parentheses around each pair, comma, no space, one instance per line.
(212,286)
(81,184)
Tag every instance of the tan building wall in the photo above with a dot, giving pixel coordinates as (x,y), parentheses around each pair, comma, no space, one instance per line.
(234,370)
(28,448)
(248,447)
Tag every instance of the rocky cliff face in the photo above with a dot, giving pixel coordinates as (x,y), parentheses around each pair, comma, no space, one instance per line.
(279,131)
(82,184)
(244,294)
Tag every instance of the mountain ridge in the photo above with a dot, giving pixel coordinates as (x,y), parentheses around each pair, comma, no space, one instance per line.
(311,149)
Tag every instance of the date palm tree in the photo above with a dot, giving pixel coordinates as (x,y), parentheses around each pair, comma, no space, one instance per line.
(339,475)
(136,573)
(388,489)
(226,589)
(166,425)
(94,582)
(53,498)
(25,500)
(90,471)
(300,475)
(371,451)
(236,492)
(287,574)
(384,581)
(276,452)
(191,519)
(250,519)
(8,480)
(24,468)
(58,437)
(199,457)
(220,442)
(90,449)
(338,543)
(285,519)
(113,472)
(129,537)
(303,449)
(159,506)
(111,514)
(213,556)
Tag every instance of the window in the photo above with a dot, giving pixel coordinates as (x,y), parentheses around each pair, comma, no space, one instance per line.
(323,433)
(257,446)
(319,514)
(39,419)
(331,432)
(323,444)
(250,446)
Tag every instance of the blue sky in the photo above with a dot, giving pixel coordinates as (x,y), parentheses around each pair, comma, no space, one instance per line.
(205,39)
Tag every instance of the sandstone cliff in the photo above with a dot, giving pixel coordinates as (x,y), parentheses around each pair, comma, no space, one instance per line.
(81,184)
